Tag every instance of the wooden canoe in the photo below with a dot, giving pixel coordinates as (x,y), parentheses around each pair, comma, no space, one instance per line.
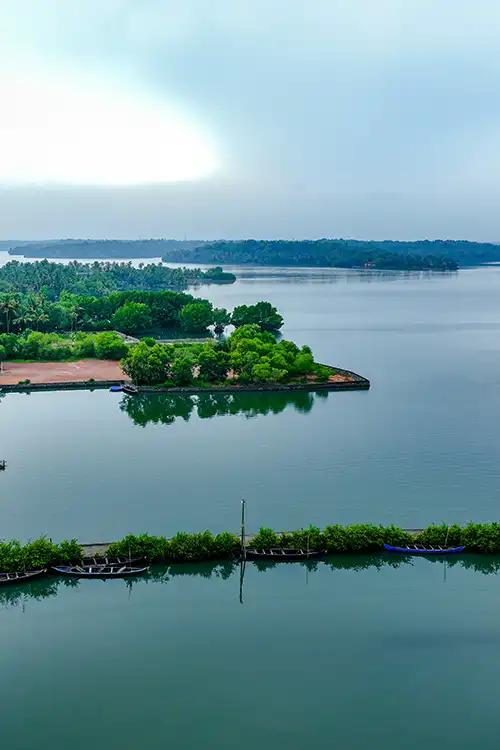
(98,571)
(282,554)
(21,576)
(103,560)
(422,549)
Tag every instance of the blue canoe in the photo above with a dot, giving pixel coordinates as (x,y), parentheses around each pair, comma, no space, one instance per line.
(116,388)
(414,549)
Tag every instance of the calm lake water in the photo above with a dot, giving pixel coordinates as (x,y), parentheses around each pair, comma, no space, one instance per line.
(420,446)
(352,653)
(349,655)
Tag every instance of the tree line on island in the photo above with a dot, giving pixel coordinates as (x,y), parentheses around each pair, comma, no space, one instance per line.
(132,312)
(325,252)
(98,279)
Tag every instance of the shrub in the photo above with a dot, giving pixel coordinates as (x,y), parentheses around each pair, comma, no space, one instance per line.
(362,537)
(181,370)
(184,547)
(153,548)
(109,345)
(311,538)
(265,538)
(39,553)
(480,537)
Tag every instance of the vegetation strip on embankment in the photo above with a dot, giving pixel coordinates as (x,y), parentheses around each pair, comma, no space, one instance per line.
(352,382)
(205,546)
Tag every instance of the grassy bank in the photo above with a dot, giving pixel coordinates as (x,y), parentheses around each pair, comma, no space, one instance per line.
(204,546)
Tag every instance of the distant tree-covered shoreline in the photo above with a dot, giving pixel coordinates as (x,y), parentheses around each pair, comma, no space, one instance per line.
(107,249)
(344,253)
(333,253)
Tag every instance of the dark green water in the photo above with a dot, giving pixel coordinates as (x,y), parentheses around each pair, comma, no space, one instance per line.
(421,446)
(350,654)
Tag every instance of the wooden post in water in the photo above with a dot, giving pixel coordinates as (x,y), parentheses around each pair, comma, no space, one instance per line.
(243,545)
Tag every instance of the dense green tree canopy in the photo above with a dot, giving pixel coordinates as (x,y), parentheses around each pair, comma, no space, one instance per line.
(213,363)
(249,355)
(99,279)
(181,370)
(262,313)
(148,365)
(132,317)
(130,312)
(439,255)
(196,316)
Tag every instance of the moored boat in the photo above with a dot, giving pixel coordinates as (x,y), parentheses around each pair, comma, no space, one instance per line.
(104,560)
(116,389)
(423,549)
(98,571)
(20,576)
(129,388)
(282,554)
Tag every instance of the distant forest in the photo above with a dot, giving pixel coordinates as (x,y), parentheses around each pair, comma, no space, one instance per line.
(409,256)
(108,249)
(384,254)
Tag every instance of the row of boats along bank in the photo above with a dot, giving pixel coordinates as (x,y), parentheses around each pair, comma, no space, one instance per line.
(122,567)
(104,567)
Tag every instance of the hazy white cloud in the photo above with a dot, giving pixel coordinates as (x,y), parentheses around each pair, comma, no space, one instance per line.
(73,131)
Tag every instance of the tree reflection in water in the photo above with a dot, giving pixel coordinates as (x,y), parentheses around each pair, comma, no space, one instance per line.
(44,588)
(165,408)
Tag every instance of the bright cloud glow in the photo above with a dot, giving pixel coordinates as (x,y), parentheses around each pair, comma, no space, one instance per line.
(65,133)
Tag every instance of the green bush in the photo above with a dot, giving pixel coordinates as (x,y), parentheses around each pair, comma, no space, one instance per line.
(477,537)
(265,538)
(362,537)
(39,553)
(153,548)
(311,538)
(183,547)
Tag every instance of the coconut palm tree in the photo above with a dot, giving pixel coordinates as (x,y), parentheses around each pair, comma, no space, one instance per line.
(9,304)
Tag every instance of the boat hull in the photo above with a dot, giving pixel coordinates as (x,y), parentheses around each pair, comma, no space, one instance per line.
(278,554)
(423,551)
(98,571)
(94,561)
(10,578)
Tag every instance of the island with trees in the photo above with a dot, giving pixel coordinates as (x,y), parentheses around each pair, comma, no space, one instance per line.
(253,356)
(103,278)
(324,252)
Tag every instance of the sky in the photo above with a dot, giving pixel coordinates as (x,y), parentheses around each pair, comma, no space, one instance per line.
(213,119)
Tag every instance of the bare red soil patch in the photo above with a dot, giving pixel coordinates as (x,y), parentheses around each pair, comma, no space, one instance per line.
(61,372)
